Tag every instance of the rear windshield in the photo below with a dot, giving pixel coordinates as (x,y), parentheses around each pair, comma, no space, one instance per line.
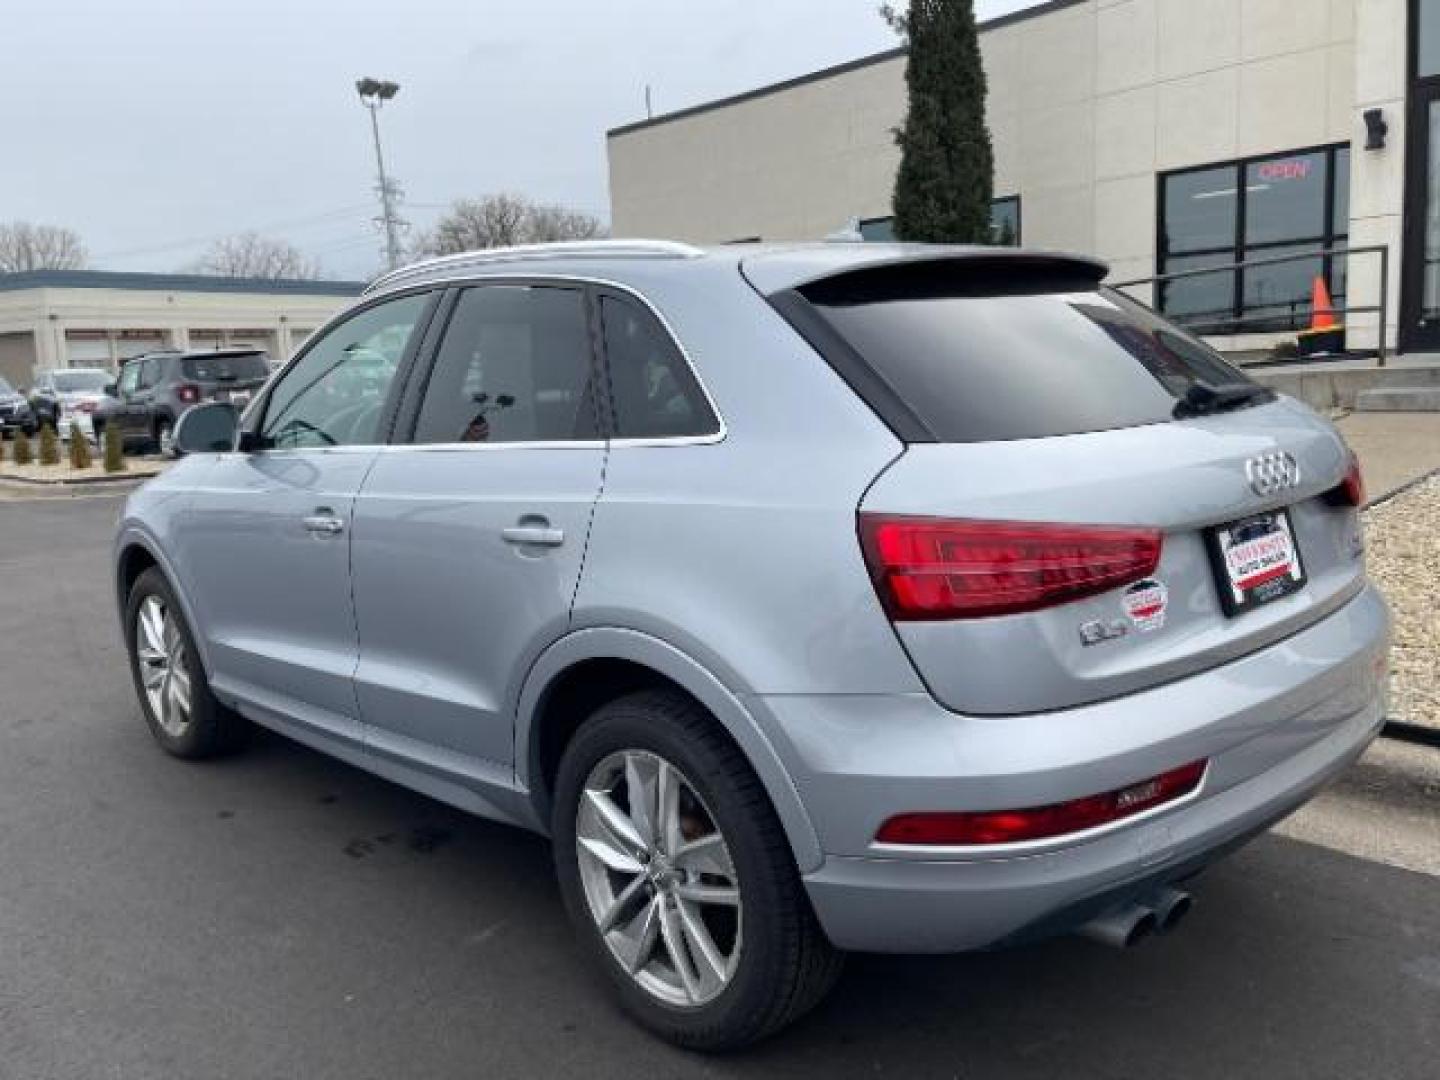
(79,382)
(246,367)
(1031,360)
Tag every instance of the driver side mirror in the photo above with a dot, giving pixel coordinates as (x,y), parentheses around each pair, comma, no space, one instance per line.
(207,429)
(112,389)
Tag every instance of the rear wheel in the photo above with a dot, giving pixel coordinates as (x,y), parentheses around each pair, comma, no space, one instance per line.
(184,716)
(679,880)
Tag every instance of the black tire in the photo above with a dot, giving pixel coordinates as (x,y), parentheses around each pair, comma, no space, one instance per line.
(786,965)
(212,729)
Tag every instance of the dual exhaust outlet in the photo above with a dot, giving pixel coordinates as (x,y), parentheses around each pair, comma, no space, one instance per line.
(1127,926)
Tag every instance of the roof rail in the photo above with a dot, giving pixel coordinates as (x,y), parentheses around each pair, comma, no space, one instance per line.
(568,249)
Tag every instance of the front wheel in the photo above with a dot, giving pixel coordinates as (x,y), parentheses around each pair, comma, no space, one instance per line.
(679,879)
(184,716)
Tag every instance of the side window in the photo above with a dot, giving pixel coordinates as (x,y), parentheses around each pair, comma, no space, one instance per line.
(515,366)
(335,393)
(129,379)
(149,372)
(655,394)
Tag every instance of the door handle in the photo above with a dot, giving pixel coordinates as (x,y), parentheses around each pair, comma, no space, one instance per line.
(533,535)
(323,522)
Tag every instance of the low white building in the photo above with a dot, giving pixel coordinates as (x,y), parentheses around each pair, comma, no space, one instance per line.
(68,318)
(1160,135)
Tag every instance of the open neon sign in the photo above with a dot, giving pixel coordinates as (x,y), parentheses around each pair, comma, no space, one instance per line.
(1294,169)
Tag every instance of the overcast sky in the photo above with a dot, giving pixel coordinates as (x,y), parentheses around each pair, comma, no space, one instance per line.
(154,126)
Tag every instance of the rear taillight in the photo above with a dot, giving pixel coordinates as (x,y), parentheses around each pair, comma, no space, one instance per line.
(1043,822)
(1354,483)
(1351,489)
(187,393)
(928,568)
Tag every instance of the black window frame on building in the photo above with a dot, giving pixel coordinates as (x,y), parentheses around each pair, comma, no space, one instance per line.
(881,230)
(1243,315)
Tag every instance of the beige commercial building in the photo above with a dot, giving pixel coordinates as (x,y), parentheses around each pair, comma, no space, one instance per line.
(64,318)
(1161,135)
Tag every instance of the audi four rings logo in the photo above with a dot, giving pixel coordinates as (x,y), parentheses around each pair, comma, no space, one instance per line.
(1272,473)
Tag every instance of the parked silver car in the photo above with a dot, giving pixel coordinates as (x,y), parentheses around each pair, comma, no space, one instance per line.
(812,598)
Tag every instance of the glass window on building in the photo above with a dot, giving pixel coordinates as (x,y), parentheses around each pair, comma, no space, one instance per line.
(1269,207)
(1427,39)
(1004,224)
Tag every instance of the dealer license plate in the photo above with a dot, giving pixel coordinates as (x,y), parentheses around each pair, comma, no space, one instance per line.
(1256,561)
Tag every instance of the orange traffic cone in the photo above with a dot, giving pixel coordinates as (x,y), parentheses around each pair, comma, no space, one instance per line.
(1326,335)
(1323,312)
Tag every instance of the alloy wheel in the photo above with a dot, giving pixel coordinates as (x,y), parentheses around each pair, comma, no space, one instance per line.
(658,878)
(164,668)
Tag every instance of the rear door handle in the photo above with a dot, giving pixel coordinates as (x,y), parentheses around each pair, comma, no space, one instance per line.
(324,523)
(536,535)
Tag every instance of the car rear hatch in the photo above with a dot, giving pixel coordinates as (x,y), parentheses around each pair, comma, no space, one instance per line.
(1090,502)
(226,376)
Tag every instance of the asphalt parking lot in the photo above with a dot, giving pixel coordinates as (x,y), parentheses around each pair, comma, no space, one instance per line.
(282,915)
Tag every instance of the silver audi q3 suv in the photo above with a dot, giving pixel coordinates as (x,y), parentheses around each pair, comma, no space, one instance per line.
(810,598)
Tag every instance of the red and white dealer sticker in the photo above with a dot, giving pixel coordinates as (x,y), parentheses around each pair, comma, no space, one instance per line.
(1145,603)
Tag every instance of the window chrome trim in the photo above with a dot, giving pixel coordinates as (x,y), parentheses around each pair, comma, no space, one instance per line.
(525,280)
(529,280)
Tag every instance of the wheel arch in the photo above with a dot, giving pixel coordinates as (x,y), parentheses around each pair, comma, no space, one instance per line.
(136,552)
(594,665)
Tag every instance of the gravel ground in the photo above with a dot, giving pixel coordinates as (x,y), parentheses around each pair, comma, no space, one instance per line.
(1403,549)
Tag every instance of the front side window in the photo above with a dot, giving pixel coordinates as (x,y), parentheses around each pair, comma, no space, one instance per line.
(335,394)
(129,378)
(652,388)
(515,366)
(1247,210)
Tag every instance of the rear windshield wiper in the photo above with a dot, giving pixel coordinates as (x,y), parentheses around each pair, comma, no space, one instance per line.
(1202,399)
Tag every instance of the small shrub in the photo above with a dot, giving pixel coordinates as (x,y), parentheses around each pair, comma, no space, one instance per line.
(79,447)
(114,449)
(23,452)
(49,446)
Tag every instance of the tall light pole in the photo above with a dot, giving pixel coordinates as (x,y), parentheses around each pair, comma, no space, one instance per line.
(373,94)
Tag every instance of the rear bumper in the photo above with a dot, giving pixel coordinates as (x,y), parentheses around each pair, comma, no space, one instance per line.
(1275,726)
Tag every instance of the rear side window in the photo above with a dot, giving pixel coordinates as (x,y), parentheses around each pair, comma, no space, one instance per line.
(515,366)
(654,392)
(990,357)
(247,367)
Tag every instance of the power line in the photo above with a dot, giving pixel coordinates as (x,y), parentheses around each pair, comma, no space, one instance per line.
(197,240)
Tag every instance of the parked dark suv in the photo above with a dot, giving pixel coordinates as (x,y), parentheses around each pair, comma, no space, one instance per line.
(15,414)
(155,389)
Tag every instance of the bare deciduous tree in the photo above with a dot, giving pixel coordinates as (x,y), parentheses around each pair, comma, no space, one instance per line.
(25,246)
(252,255)
(501,221)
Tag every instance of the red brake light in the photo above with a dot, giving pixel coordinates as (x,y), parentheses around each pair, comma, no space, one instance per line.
(187,393)
(1039,823)
(1354,483)
(928,568)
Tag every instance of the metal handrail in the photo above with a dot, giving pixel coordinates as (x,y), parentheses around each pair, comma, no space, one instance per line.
(1383,250)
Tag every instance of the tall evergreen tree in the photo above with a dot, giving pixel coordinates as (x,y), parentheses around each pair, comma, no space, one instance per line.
(946,178)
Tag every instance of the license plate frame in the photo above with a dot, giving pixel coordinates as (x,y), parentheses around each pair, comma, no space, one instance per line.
(1256,561)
